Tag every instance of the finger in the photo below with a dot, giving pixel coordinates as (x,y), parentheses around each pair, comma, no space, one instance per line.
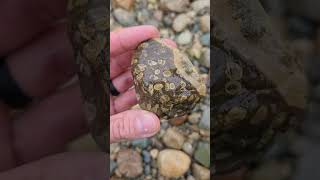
(47,127)
(44,64)
(22,20)
(120,63)
(169,42)
(133,124)
(123,82)
(66,166)
(129,38)
(123,102)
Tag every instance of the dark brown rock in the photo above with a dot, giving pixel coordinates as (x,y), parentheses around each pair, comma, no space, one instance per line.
(165,80)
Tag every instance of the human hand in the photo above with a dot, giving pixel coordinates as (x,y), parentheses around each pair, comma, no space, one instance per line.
(35,45)
(129,124)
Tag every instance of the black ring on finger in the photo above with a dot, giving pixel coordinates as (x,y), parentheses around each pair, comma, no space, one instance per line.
(113,90)
(10,92)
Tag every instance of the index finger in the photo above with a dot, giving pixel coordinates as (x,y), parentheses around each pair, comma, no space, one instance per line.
(129,38)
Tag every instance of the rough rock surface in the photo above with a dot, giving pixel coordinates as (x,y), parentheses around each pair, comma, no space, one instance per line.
(165,80)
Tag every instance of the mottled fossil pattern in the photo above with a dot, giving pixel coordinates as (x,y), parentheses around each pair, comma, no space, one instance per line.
(89,34)
(166,81)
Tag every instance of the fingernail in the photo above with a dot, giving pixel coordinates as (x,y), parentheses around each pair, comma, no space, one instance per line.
(146,124)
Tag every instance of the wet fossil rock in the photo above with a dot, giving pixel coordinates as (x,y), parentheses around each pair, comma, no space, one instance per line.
(165,80)
(88,29)
(258,86)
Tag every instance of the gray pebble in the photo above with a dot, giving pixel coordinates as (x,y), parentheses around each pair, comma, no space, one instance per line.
(196,27)
(124,17)
(147,170)
(143,15)
(164,125)
(188,148)
(200,5)
(167,20)
(202,153)
(181,22)
(146,156)
(113,166)
(184,38)
(205,58)
(205,119)
(205,39)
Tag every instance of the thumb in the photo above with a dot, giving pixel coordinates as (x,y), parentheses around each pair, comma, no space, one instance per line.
(133,124)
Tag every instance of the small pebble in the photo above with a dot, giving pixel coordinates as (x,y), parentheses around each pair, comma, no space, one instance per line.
(195,51)
(199,5)
(129,163)
(202,154)
(205,58)
(124,17)
(194,118)
(194,136)
(147,170)
(146,156)
(143,15)
(158,15)
(181,22)
(113,166)
(195,27)
(173,139)
(184,38)
(205,39)
(167,20)
(205,23)
(200,172)
(188,148)
(164,124)
(154,153)
(205,119)
(173,163)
